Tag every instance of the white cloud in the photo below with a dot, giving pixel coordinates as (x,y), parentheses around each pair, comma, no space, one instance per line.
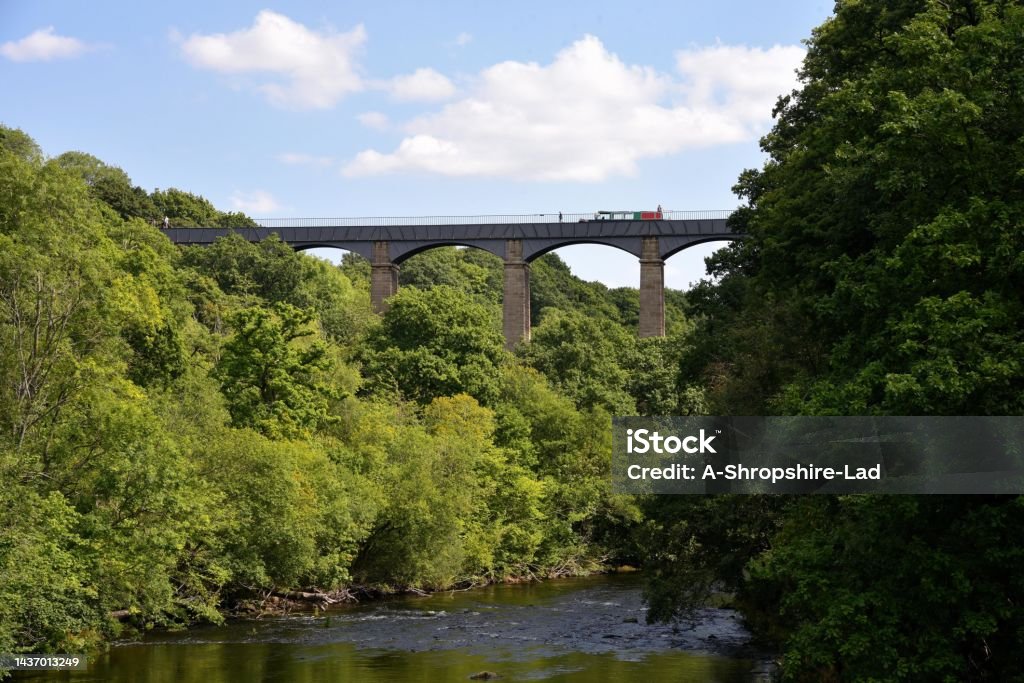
(308,69)
(299,159)
(587,116)
(42,46)
(463,39)
(374,120)
(421,85)
(256,202)
(743,81)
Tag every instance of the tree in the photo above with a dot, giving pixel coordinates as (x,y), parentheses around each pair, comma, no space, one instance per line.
(271,372)
(273,271)
(180,432)
(436,527)
(894,588)
(651,377)
(110,185)
(55,279)
(435,343)
(96,503)
(901,207)
(473,271)
(581,356)
(881,276)
(269,269)
(552,285)
(18,143)
(187,209)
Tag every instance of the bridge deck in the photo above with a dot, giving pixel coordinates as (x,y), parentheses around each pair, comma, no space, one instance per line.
(507,219)
(539,233)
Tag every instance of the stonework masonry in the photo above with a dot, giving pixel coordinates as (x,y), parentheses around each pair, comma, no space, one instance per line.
(518,240)
(383,277)
(516,299)
(652,289)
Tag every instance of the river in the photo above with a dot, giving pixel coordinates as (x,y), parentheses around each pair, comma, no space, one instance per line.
(585,630)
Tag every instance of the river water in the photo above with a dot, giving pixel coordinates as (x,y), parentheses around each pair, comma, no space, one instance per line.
(585,630)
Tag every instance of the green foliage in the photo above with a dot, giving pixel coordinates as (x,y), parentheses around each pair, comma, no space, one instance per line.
(651,378)
(570,451)
(272,375)
(581,356)
(479,274)
(296,516)
(356,269)
(187,209)
(44,603)
(889,215)
(552,285)
(695,546)
(436,527)
(180,427)
(269,270)
(882,275)
(895,588)
(185,429)
(434,343)
(343,311)
(273,271)
(473,271)
(18,143)
(110,185)
(159,356)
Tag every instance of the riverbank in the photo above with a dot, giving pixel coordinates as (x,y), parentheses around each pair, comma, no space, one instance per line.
(576,630)
(280,602)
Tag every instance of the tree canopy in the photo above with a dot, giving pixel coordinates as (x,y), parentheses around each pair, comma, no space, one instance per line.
(882,275)
(183,430)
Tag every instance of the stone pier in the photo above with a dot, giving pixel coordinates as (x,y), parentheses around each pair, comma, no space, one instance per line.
(652,289)
(389,241)
(516,300)
(383,277)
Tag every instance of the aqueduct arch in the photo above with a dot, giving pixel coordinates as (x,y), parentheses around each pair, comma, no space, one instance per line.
(517,240)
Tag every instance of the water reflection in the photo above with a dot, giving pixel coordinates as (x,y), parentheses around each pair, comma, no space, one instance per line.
(587,630)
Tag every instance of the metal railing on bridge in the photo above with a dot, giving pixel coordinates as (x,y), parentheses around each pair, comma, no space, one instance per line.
(387,221)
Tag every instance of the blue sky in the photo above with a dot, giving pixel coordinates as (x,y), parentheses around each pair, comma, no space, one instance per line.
(413,108)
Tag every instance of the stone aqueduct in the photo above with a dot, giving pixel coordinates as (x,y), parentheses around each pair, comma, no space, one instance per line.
(517,240)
